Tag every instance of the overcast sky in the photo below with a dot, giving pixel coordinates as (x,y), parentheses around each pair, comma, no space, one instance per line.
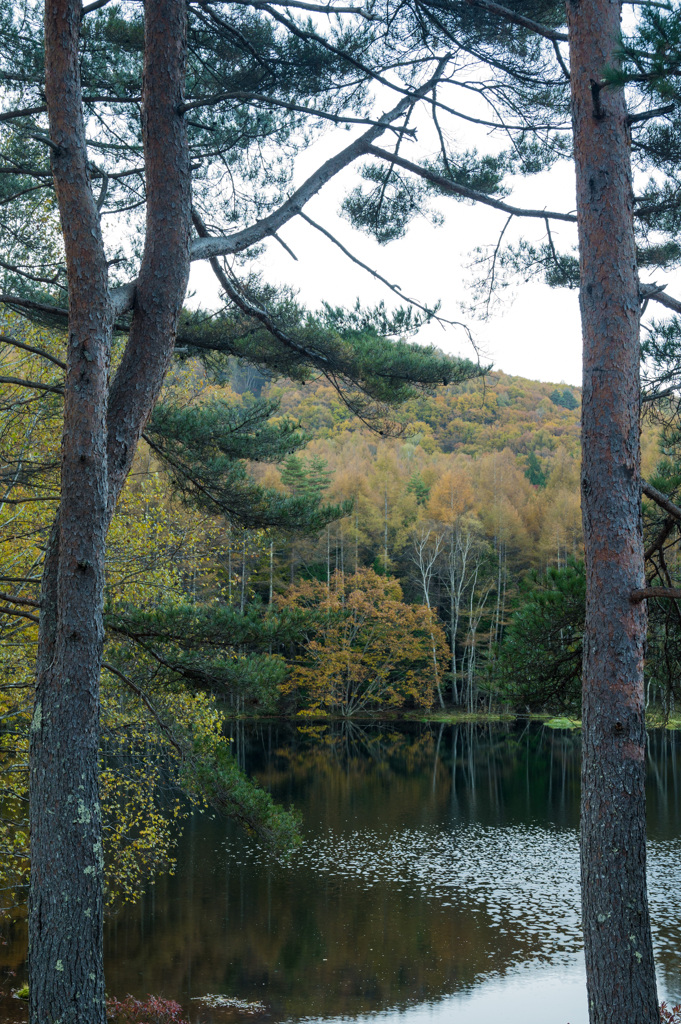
(532,330)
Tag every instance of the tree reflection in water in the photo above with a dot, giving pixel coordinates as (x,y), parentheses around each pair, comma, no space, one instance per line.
(436,857)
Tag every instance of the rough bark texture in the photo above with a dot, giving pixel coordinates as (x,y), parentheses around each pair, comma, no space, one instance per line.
(162,282)
(65,916)
(66,978)
(619,959)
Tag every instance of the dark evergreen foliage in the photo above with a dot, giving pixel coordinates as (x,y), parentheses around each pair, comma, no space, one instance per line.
(205,449)
(564,398)
(534,472)
(540,665)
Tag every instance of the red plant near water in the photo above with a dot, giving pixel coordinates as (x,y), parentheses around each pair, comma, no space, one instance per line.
(668,1016)
(152,1010)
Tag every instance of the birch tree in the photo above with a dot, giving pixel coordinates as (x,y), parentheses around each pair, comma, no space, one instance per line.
(426,548)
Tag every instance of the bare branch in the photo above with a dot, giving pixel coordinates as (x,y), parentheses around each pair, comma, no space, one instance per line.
(559,58)
(38,307)
(653,396)
(9,115)
(5,340)
(666,300)
(147,703)
(646,115)
(46,141)
(25,501)
(248,307)
(669,524)
(94,6)
(34,384)
(287,248)
(21,615)
(19,600)
(320,8)
(374,273)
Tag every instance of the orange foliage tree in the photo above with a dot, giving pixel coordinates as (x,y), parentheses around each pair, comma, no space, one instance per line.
(370,650)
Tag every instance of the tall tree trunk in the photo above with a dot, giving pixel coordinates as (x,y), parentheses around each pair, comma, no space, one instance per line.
(452,630)
(229,566)
(66,978)
(385,534)
(618,947)
(271,593)
(243,577)
(66,901)
(342,548)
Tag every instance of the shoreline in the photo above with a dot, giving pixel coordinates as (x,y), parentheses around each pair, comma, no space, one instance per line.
(655,718)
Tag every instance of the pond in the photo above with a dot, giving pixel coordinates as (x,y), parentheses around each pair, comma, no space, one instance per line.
(438,880)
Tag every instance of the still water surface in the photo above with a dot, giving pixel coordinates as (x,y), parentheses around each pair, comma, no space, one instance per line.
(438,881)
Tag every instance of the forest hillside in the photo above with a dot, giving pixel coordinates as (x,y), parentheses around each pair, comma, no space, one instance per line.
(271,553)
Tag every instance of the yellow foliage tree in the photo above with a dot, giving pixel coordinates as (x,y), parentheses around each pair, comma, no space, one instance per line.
(368,649)
(156,549)
(451,496)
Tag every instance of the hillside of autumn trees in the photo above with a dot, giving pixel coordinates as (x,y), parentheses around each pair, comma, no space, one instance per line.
(252,574)
(387,572)
(380,575)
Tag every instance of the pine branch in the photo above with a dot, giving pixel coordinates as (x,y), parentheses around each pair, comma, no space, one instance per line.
(467,193)
(661,499)
(649,592)
(20,600)
(253,97)
(519,19)
(205,248)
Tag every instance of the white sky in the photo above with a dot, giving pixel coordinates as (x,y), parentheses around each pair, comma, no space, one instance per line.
(533,331)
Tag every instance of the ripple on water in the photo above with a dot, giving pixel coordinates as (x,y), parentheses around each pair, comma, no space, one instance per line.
(516,874)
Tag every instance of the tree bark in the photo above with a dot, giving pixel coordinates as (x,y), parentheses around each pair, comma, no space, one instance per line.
(66,978)
(66,904)
(618,948)
(164,273)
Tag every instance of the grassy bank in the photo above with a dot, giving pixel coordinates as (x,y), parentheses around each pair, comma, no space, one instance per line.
(655,718)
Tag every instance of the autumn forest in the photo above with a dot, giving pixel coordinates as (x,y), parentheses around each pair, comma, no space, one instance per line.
(237,512)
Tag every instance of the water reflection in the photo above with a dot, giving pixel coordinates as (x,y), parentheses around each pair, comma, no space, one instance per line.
(439,877)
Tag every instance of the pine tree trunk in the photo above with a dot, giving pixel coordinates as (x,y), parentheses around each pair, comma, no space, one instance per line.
(66,896)
(618,948)
(101,431)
